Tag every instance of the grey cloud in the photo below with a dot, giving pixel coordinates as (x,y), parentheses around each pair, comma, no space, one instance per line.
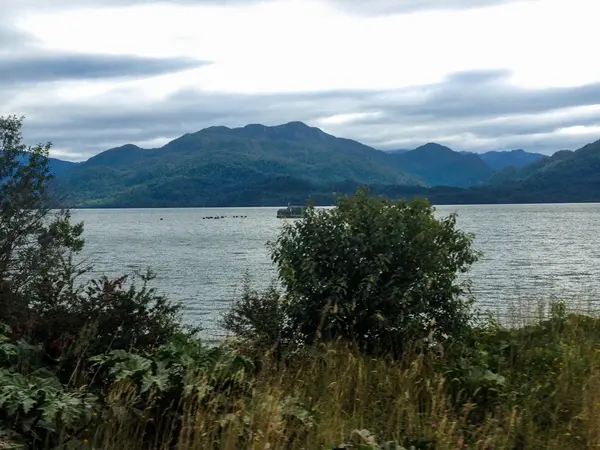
(8,36)
(12,40)
(21,61)
(469,111)
(481,94)
(69,66)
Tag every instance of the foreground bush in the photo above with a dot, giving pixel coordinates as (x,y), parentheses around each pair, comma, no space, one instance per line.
(108,365)
(41,297)
(531,388)
(372,272)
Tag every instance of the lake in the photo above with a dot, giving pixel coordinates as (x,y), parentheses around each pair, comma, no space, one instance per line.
(531,253)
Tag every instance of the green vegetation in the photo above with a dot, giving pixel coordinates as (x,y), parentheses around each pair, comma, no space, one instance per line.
(343,278)
(566,176)
(514,158)
(223,166)
(441,166)
(273,166)
(371,344)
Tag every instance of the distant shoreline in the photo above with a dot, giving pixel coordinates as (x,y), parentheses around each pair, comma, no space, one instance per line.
(72,208)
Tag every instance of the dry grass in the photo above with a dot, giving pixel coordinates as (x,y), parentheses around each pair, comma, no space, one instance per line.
(550,400)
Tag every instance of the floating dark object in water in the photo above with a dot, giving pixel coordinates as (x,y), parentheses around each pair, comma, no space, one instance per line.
(291,212)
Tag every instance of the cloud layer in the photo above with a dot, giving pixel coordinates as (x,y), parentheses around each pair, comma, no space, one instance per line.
(485,113)
(65,66)
(86,102)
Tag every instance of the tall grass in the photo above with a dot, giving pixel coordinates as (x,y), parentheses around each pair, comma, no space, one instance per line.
(541,391)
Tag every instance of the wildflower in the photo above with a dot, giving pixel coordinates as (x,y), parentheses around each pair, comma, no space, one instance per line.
(86,442)
(434,426)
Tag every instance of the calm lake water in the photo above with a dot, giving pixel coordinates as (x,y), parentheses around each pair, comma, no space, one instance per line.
(531,253)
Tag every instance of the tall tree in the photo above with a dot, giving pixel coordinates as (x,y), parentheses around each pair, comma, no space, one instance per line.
(41,297)
(37,242)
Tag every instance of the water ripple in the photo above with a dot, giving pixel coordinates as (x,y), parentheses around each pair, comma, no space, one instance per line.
(530,252)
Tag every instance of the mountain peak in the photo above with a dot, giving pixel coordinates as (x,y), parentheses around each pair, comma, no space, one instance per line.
(217,129)
(433,147)
(121,155)
(127,147)
(296,124)
(440,165)
(295,131)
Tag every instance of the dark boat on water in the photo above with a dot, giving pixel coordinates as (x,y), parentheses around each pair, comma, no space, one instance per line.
(291,212)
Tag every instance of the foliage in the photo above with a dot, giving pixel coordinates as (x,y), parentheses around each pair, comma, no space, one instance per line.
(377,273)
(36,409)
(40,298)
(110,366)
(258,319)
(118,314)
(154,387)
(333,395)
(36,245)
(176,366)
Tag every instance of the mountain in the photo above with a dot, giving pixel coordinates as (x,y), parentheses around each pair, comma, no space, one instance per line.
(564,177)
(439,165)
(219,166)
(514,174)
(59,167)
(516,158)
(56,166)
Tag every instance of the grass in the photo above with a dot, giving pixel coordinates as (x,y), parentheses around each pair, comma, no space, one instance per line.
(534,387)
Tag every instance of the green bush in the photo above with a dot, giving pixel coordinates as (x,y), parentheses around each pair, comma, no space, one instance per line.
(375,272)
(257,320)
(41,298)
(36,409)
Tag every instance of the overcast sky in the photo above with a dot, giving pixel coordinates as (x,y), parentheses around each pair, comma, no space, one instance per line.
(471,74)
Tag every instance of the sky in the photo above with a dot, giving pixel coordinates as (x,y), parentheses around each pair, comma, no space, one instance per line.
(475,75)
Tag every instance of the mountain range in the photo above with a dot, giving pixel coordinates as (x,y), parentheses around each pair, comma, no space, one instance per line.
(514,158)
(56,166)
(262,165)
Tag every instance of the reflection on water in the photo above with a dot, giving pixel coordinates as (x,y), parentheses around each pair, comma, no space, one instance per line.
(530,252)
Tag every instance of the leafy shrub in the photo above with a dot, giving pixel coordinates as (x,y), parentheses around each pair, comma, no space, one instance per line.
(34,404)
(41,298)
(374,272)
(176,366)
(155,387)
(258,320)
